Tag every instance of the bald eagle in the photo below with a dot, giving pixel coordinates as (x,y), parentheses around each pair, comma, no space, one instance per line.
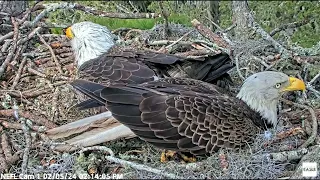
(100,60)
(188,115)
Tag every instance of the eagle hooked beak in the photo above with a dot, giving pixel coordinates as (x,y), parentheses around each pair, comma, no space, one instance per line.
(295,85)
(68,32)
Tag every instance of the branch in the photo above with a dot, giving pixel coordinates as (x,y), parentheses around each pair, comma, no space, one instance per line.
(52,53)
(267,37)
(26,152)
(27,115)
(313,136)
(206,32)
(287,26)
(13,50)
(143,167)
(64,5)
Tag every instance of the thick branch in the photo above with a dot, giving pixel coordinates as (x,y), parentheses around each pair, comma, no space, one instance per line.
(206,32)
(287,26)
(64,5)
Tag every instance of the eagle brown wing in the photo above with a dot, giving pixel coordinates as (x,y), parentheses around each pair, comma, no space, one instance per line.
(173,117)
(131,66)
(121,68)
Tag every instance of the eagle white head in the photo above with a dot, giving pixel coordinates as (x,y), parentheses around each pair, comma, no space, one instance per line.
(262,91)
(89,40)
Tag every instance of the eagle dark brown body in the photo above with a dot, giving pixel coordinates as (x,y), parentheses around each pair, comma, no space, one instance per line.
(179,114)
(124,65)
(129,66)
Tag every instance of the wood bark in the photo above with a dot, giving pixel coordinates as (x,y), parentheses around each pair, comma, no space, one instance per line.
(213,13)
(241,13)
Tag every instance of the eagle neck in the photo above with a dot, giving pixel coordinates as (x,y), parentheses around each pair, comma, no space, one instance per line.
(266,108)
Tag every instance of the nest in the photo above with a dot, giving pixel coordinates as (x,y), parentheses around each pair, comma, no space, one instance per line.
(35,96)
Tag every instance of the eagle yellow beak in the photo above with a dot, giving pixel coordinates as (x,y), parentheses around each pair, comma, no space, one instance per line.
(69,33)
(295,85)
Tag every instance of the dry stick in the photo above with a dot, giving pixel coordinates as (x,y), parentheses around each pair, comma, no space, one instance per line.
(314,78)
(3,162)
(237,65)
(6,147)
(27,115)
(267,37)
(13,50)
(33,71)
(175,42)
(216,25)
(143,167)
(32,33)
(289,25)
(207,33)
(10,125)
(52,53)
(64,5)
(7,36)
(26,151)
(229,28)
(286,155)
(17,77)
(313,136)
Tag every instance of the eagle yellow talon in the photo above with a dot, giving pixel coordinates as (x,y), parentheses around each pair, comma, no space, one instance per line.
(173,155)
(188,159)
(166,155)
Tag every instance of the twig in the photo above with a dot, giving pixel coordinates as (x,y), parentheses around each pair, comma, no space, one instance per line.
(262,62)
(27,115)
(64,5)
(289,25)
(314,78)
(52,53)
(13,50)
(3,162)
(33,71)
(266,36)
(313,136)
(26,151)
(168,42)
(6,147)
(288,155)
(216,25)
(30,35)
(175,42)
(55,104)
(7,36)
(207,33)
(37,92)
(11,125)
(98,148)
(201,52)
(17,77)
(229,28)
(143,167)
(237,65)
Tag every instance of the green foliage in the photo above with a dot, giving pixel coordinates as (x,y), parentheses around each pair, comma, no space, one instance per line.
(269,14)
(272,14)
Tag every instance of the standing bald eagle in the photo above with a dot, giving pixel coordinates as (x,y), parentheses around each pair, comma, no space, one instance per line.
(192,116)
(100,60)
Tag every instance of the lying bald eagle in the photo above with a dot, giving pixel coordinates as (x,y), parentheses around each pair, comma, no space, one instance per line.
(192,116)
(100,60)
